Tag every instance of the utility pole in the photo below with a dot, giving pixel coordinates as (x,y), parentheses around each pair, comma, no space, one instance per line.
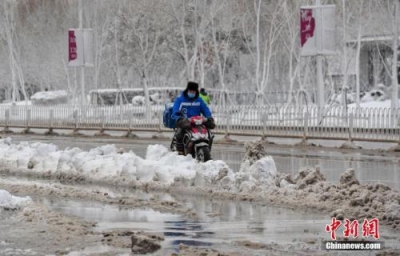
(83,94)
(320,79)
(395,88)
(344,86)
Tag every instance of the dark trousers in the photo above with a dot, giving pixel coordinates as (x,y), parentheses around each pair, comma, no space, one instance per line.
(180,133)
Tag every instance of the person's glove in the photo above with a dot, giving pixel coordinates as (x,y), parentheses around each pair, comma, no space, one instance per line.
(183,123)
(210,124)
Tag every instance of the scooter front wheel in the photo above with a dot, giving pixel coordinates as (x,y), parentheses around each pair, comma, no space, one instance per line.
(203,154)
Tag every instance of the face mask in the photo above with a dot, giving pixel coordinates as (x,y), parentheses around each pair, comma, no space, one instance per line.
(191,95)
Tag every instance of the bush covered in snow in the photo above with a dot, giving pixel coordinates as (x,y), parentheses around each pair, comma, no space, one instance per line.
(155,98)
(138,100)
(50,98)
(378,93)
(374,95)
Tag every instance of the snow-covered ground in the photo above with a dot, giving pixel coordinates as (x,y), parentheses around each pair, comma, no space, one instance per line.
(258,180)
(374,104)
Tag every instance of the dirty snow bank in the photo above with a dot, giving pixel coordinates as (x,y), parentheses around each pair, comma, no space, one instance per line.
(309,189)
(105,164)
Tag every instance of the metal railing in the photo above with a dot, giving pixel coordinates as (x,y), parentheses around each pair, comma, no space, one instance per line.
(335,123)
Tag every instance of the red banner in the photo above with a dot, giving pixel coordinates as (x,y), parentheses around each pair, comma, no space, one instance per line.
(307,25)
(72,45)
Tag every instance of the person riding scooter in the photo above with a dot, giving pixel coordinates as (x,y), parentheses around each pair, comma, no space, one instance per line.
(189,104)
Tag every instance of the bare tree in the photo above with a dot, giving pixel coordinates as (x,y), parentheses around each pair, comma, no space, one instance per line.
(205,51)
(221,45)
(266,27)
(144,30)
(179,11)
(39,43)
(9,29)
(361,21)
(99,15)
(290,41)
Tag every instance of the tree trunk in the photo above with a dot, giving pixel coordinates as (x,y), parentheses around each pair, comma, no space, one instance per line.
(358,67)
(395,89)
(146,96)
(9,16)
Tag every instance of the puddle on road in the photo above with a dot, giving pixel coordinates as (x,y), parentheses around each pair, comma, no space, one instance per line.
(230,221)
(220,223)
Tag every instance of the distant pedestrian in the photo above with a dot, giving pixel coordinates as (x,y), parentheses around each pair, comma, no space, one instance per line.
(204,96)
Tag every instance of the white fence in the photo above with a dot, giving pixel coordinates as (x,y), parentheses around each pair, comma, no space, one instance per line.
(333,123)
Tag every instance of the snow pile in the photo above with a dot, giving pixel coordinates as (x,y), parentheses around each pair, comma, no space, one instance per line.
(105,164)
(257,177)
(10,202)
(155,98)
(50,98)
(349,199)
(254,151)
(138,100)
(376,94)
(257,171)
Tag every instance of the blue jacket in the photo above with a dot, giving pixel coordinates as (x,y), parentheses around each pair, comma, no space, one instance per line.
(187,107)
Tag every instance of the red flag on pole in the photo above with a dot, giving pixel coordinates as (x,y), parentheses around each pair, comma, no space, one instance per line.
(72,53)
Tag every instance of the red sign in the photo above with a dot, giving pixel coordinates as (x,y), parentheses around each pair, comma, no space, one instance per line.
(72,45)
(307,25)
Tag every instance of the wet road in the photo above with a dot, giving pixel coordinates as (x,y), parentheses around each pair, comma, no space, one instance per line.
(221,223)
(370,166)
(234,222)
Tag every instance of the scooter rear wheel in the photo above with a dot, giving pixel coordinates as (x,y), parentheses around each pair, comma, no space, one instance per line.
(203,154)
